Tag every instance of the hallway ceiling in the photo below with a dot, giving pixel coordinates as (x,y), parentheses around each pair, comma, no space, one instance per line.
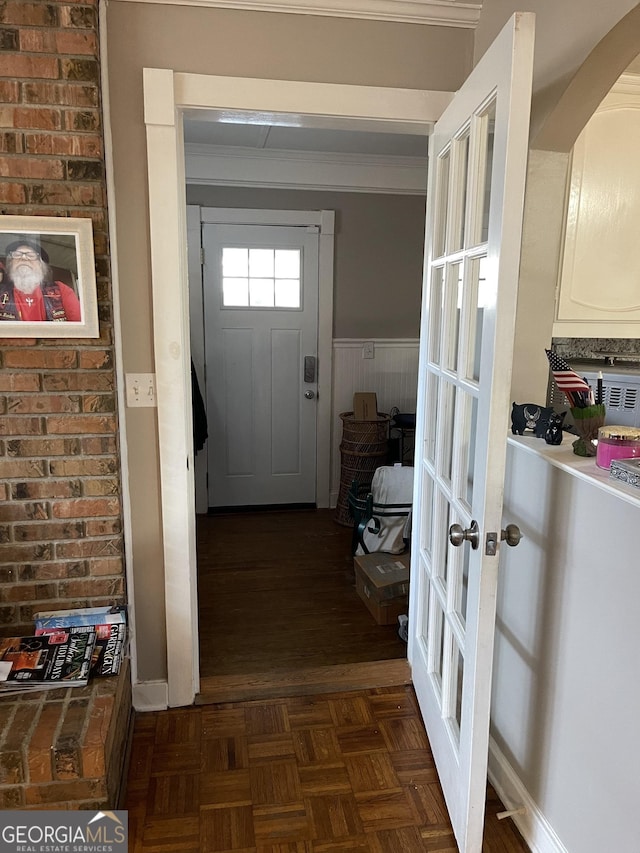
(259,137)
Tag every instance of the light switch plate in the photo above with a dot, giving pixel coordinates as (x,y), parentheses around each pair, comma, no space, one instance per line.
(141,389)
(368,349)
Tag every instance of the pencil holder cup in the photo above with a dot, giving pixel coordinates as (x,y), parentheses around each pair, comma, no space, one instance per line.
(587,422)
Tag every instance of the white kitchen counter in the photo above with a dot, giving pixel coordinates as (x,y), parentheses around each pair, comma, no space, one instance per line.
(583,467)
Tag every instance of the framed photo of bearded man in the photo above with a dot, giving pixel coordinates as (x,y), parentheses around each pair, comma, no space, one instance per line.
(47,278)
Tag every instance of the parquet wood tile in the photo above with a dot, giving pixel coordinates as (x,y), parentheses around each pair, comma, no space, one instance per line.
(334,773)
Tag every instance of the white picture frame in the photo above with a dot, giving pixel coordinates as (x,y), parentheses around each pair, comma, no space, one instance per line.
(65,245)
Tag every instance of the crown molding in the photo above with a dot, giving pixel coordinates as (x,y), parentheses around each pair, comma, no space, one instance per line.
(441,13)
(226,166)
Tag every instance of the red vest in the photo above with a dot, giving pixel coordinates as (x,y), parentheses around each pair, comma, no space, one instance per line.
(54,309)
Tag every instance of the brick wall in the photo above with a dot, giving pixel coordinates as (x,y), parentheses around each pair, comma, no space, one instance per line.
(60,509)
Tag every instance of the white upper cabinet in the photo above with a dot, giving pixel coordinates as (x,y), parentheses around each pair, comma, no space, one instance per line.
(599,287)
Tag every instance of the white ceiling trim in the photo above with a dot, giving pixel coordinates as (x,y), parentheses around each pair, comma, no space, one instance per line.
(225,166)
(442,13)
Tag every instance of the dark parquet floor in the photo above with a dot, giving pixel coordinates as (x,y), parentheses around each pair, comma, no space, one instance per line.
(337,773)
(333,772)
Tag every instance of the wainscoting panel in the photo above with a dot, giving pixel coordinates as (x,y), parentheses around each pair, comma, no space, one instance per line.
(392,373)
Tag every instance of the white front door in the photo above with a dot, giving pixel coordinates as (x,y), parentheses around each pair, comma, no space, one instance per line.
(261,338)
(477,166)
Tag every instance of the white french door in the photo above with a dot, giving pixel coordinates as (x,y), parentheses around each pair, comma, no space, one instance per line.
(261,340)
(477,167)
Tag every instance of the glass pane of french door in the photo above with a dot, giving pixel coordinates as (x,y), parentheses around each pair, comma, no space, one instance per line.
(456,314)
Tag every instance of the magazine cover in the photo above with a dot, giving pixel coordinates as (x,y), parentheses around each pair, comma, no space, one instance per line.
(57,660)
(109,624)
(81,616)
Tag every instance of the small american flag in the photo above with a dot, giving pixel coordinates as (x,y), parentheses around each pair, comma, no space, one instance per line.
(576,390)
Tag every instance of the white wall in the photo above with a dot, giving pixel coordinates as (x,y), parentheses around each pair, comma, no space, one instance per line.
(392,373)
(566,693)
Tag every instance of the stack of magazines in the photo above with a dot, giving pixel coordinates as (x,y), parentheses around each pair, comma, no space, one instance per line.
(44,662)
(67,648)
(109,624)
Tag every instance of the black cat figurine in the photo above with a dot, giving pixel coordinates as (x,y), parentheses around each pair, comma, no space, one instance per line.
(553,433)
(530,416)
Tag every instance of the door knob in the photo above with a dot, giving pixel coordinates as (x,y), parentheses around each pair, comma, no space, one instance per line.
(309,395)
(511,535)
(458,534)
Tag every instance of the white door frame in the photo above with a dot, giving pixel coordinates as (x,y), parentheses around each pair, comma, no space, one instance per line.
(167,95)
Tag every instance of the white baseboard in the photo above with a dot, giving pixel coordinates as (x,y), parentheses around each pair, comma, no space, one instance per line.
(151,696)
(532,824)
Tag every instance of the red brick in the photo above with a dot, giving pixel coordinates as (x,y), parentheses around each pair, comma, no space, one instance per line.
(79,550)
(92,587)
(52,571)
(9,616)
(18,732)
(37,41)
(14,468)
(37,489)
(39,751)
(11,768)
(99,446)
(65,792)
(83,424)
(19,381)
(15,511)
(20,426)
(43,447)
(81,16)
(94,741)
(84,69)
(93,381)
(40,358)
(12,798)
(98,403)
(78,43)
(103,486)
(43,404)
(12,193)
(18,167)
(41,532)
(83,121)
(66,746)
(30,14)
(88,508)
(105,567)
(17,66)
(88,145)
(65,194)
(25,553)
(11,143)
(60,94)
(104,527)
(41,118)
(26,592)
(86,468)
(9,91)
(97,359)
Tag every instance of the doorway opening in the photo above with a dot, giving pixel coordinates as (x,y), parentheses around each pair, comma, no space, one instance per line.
(276,590)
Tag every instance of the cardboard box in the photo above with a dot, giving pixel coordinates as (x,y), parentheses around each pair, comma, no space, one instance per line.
(365,406)
(382,582)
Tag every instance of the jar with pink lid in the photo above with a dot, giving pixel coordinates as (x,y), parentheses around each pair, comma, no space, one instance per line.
(617,442)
